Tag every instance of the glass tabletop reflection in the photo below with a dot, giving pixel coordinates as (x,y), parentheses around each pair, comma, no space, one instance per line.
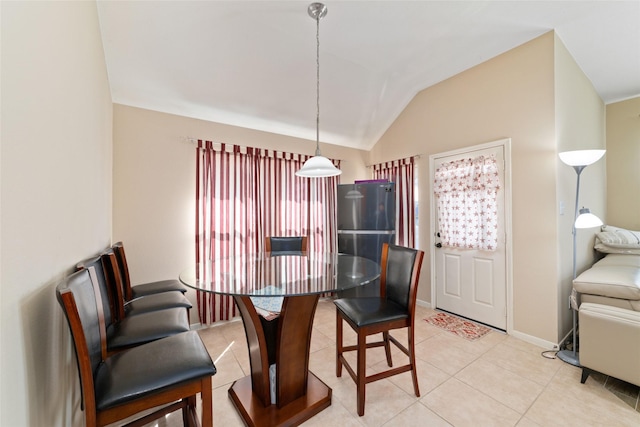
(288,274)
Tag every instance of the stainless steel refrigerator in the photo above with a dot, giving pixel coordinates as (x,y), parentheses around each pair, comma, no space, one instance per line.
(366,218)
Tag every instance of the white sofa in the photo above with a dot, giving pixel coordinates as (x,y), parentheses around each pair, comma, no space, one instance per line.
(609,312)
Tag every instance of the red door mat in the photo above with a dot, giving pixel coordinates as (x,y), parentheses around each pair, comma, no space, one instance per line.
(461,327)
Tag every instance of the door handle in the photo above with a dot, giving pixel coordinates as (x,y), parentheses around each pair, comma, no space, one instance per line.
(438,245)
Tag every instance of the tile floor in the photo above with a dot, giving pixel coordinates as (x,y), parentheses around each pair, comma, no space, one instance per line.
(496,380)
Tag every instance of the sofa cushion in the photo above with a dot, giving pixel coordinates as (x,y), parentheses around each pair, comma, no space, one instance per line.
(615,281)
(620,259)
(615,240)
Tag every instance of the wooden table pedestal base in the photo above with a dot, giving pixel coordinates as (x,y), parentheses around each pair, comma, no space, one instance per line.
(255,414)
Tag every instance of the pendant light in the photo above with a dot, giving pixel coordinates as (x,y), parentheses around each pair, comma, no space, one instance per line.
(318,166)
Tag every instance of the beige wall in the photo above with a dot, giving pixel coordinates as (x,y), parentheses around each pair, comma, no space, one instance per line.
(55,196)
(580,125)
(623,164)
(154,183)
(510,96)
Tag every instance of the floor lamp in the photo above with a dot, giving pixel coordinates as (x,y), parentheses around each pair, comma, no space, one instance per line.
(583,218)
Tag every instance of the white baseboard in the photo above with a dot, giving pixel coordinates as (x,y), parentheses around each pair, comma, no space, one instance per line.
(548,345)
(425,304)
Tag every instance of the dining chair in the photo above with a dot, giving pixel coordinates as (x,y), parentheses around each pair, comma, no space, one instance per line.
(280,244)
(393,309)
(131,331)
(270,307)
(168,373)
(139,290)
(144,304)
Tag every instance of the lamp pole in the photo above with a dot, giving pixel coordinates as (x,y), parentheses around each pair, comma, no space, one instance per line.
(572,357)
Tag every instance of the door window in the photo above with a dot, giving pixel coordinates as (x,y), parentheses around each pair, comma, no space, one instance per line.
(466,194)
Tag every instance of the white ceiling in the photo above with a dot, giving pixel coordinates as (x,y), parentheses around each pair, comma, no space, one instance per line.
(253,63)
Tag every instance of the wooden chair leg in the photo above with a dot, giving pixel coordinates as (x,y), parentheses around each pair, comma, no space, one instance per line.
(412,361)
(338,344)
(207,402)
(362,371)
(387,348)
(186,410)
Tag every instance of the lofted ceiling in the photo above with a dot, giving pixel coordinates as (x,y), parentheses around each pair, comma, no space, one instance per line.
(253,63)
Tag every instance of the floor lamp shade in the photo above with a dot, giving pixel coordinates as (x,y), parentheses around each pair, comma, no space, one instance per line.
(581,157)
(587,220)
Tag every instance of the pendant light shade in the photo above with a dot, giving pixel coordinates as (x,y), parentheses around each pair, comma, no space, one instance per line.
(318,166)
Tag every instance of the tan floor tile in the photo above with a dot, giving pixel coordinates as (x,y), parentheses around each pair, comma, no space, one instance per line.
(322,363)
(228,369)
(383,400)
(441,352)
(462,405)
(526,363)
(516,343)
(592,393)
(233,331)
(417,415)
(224,413)
(429,377)
(213,338)
(320,341)
(511,389)
(241,354)
(558,406)
(334,415)
(526,422)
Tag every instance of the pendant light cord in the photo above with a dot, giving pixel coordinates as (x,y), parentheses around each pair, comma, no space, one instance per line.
(318,85)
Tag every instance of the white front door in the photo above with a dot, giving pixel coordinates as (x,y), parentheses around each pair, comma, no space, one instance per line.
(472,282)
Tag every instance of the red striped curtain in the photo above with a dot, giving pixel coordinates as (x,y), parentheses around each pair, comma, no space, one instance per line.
(402,173)
(244,194)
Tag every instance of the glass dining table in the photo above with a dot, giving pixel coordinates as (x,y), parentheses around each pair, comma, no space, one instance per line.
(280,389)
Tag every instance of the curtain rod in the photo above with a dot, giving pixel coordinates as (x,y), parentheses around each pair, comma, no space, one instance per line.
(415,156)
(195,141)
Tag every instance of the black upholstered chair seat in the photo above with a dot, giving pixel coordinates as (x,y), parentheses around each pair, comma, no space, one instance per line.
(369,311)
(146,327)
(141,371)
(156,302)
(161,286)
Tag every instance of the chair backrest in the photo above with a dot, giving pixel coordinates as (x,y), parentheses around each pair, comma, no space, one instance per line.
(81,305)
(108,296)
(399,274)
(115,281)
(121,258)
(286,244)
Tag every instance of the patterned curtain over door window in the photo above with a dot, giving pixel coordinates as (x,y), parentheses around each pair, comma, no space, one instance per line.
(466,193)
(244,194)
(401,172)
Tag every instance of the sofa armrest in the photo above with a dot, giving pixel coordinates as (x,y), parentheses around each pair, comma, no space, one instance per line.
(610,341)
